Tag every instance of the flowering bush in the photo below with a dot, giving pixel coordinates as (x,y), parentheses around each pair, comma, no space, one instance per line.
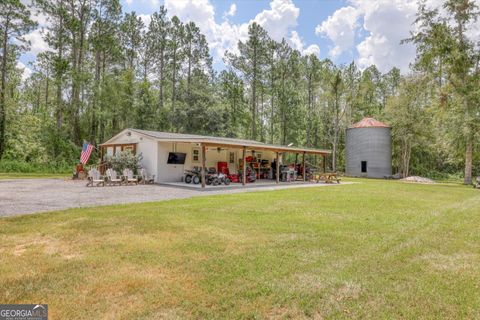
(124,160)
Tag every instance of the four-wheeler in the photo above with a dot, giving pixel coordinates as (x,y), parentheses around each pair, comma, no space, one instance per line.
(193,175)
(218,178)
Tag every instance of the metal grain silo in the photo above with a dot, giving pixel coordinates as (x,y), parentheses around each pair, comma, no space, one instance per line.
(369,149)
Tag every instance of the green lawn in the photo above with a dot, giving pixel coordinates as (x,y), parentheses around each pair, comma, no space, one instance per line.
(21,175)
(371,250)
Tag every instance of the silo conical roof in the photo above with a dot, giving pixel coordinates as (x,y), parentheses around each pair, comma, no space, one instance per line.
(369,123)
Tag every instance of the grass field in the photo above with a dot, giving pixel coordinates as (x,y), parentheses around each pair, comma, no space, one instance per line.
(21,175)
(371,250)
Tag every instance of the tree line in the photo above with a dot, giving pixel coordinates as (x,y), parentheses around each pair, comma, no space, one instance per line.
(106,70)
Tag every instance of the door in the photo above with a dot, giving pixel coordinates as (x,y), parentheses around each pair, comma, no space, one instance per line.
(364,166)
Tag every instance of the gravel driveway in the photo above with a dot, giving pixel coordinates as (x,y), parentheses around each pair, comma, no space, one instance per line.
(25,196)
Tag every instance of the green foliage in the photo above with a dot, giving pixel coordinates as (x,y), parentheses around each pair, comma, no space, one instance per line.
(15,22)
(24,141)
(10,166)
(106,71)
(124,160)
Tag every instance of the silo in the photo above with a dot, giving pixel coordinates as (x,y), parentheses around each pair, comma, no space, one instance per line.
(369,149)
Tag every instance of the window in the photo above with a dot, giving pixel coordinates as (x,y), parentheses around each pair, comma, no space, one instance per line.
(195,155)
(364,166)
(128,148)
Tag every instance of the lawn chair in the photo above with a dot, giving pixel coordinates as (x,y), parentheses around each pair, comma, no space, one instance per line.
(95,178)
(129,177)
(146,178)
(112,178)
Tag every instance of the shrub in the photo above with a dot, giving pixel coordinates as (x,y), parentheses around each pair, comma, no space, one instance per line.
(9,166)
(123,160)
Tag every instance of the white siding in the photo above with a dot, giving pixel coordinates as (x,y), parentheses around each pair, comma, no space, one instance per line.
(148,150)
(145,146)
(132,138)
(168,172)
(174,172)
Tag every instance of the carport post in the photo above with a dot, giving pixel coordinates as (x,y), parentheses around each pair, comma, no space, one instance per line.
(203,165)
(303,165)
(324,163)
(244,171)
(278,168)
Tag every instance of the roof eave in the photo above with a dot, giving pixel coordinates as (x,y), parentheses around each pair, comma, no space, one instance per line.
(212,142)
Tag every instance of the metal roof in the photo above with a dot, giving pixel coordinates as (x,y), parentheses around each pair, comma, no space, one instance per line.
(218,141)
(369,123)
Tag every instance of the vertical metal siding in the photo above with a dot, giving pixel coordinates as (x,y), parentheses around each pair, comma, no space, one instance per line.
(373,145)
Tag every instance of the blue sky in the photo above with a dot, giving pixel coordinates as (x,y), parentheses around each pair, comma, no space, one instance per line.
(365,31)
(311,13)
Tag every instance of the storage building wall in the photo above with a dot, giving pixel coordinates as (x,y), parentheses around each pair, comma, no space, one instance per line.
(372,145)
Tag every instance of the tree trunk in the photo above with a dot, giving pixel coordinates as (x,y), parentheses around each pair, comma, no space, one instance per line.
(334,151)
(58,75)
(174,80)
(272,108)
(468,161)
(94,121)
(189,72)
(272,116)
(309,111)
(47,86)
(262,138)
(78,55)
(160,89)
(254,96)
(3,86)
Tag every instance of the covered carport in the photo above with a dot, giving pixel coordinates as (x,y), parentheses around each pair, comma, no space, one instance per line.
(252,147)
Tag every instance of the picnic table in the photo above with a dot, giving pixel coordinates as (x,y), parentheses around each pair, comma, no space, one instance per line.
(328,177)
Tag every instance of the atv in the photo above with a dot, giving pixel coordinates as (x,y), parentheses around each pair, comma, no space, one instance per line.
(218,179)
(193,175)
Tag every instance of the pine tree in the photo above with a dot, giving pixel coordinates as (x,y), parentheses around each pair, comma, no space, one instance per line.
(250,62)
(15,22)
(157,37)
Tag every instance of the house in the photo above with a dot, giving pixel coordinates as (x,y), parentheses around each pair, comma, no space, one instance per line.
(168,155)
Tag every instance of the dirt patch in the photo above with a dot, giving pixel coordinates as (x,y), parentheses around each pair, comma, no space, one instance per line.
(349,290)
(47,245)
(455,262)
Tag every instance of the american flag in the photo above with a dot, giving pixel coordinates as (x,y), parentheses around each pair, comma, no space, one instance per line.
(86,152)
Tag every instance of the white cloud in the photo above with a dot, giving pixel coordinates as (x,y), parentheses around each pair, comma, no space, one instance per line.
(146,18)
(341,28)
(26,71)
(312,49)
(232,11)
(296,41)
(202,12)
(387,23)
(37,44)
(281,17)
(298,44)
(277,21)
